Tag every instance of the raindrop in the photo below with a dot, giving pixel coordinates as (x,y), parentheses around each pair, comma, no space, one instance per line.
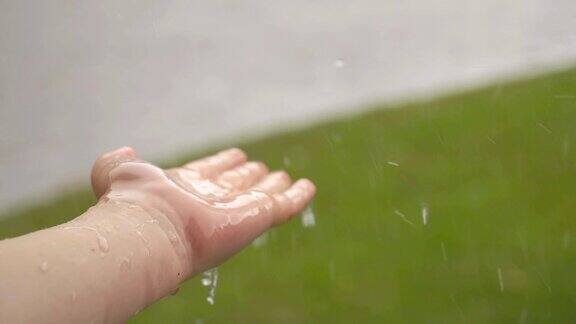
(125,263)
(172,237)
(73,296)
(444,254)
(141,236)
(500,280)
(398,213)
(425,215)
(206,281)
(103,244)
(43,266)
(339,64)
(147,249)
(308,217)
(260,240)
(392,163)
(210,280)
(153,221)
(548,130)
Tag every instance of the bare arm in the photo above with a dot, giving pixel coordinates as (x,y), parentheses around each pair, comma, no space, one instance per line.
(151,230)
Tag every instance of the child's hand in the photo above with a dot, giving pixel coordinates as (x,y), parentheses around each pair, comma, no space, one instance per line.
(150,230)
(214,206)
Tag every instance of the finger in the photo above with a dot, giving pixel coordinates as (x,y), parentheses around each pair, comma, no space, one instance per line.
(274,182)
(293,200)
(243,177)
(105,163)
(250,214)
(211,166)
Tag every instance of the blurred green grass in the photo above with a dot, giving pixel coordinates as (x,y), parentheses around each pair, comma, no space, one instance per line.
(496,169)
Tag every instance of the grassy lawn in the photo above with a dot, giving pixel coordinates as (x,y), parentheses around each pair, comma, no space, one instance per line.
(495,169)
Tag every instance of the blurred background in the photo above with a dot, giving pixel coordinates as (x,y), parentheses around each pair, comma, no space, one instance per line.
(440,134)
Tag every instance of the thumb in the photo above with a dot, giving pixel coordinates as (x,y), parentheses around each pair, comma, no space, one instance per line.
(105,163)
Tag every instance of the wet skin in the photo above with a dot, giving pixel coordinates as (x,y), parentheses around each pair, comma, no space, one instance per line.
(216,205)
(151,230)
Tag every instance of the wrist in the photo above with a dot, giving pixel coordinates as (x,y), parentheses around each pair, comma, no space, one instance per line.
(112,261)
(150,234)
(144,186)
(159,214)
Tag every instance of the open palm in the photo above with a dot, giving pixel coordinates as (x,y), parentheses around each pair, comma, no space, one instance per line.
(216,205)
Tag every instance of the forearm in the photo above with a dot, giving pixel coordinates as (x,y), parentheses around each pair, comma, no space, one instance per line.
(104,266)
(120,257)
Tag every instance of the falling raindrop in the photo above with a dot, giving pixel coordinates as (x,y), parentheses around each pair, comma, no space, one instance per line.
(308,217)
(425,215)
(544,127)
(210,300)
(339,63)
(403,217)
(210,280)
(207,280)
(260,240)
(444,254)
(500,280)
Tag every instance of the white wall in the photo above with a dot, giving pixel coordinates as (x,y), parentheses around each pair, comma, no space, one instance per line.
(80,77)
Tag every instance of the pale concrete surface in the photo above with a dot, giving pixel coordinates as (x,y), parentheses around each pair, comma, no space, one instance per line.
(80,77)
